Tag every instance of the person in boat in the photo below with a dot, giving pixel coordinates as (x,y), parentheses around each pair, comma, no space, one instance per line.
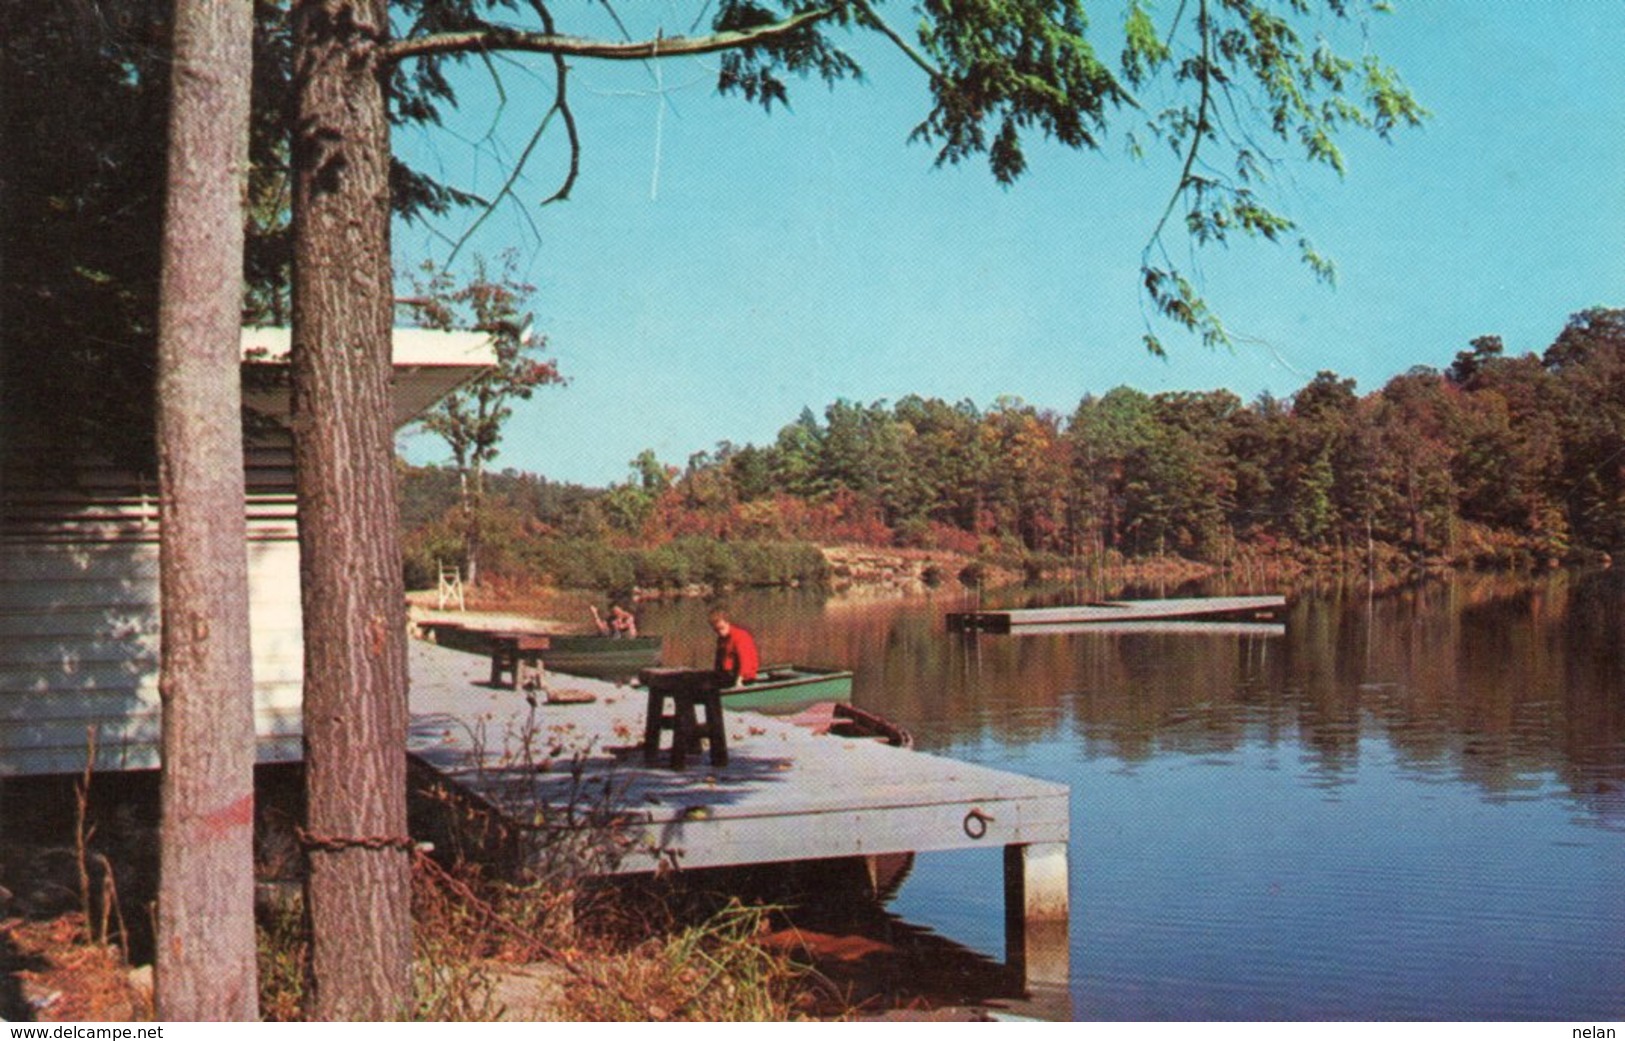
(619,623)
(736,648)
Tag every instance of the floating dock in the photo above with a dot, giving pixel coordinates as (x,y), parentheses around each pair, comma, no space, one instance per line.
(786,793)
(1194,627)
(1113,612)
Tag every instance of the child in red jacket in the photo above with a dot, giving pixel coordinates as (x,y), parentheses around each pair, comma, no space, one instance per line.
(736,648)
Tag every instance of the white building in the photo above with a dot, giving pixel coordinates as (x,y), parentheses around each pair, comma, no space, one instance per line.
(79,612)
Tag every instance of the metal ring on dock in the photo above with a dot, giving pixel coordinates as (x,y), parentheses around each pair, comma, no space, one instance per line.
(975,824)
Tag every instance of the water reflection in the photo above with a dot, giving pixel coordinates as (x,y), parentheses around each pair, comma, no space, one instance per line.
(1406,804)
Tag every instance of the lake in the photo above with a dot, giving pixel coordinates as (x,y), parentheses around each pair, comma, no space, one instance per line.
(1402,805)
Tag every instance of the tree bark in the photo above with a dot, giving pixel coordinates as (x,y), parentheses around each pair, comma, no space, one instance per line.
(355,710)
(206,946)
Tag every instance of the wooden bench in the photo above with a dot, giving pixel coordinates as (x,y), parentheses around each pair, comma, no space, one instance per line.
(688,690)
(518,657)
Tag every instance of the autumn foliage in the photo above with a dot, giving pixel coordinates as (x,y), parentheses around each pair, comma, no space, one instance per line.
(1494,460)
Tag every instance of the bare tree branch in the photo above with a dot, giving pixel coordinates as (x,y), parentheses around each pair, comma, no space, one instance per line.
(870,17)
(561,105)
(496,38)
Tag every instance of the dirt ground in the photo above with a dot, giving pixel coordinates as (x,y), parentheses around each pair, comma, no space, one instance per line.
(49,974)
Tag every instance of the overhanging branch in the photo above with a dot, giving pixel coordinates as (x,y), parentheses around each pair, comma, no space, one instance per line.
(868,15)
(497,38)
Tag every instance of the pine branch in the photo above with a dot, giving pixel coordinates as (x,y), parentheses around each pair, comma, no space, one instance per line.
(497,38)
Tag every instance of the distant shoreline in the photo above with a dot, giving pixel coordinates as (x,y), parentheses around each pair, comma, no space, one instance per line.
(524,603)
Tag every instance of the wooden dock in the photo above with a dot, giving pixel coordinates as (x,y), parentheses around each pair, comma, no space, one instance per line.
(785,793)
(1188,609)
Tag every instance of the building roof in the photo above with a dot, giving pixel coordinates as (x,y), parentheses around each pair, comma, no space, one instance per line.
(429,364)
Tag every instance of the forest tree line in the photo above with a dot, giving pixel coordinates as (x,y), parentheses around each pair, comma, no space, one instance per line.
(1494,460)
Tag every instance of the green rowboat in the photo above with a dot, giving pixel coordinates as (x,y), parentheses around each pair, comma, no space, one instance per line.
(604,657)
(787,689)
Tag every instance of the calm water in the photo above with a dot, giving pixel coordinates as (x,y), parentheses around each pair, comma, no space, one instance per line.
(1404,806)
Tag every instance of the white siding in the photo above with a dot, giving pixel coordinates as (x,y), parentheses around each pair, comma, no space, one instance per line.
(79,613)
(79,633)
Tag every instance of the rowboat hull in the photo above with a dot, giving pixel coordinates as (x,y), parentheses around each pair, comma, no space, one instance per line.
(604,657)
(601,657)
(787,689)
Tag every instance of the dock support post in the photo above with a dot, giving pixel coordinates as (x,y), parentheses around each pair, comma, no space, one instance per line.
(1036,912)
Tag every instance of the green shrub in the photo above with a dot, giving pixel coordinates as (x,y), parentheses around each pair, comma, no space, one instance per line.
(585,563)
(663,567)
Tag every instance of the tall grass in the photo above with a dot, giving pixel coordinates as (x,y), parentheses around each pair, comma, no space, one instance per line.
(713,971)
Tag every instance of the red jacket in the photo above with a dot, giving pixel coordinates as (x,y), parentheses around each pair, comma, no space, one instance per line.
(736,653)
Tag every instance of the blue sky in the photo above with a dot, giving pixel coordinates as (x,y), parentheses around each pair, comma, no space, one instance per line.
(717,268)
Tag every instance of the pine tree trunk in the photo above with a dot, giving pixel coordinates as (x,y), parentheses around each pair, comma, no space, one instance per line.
(355,709)
(205,956)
